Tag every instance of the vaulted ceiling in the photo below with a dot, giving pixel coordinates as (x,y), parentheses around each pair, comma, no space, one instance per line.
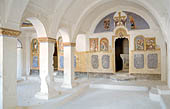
(77,16)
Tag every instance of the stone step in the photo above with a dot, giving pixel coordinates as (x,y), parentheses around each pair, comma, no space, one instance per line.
(122,77)
(164,101)
(163,90)
(154,94)
(119,87)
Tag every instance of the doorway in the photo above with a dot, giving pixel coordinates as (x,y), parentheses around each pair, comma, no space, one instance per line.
(122,54)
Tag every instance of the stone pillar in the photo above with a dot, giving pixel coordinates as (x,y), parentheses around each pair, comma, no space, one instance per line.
(8,68)
(19,63)
(27,56)
(168,63)
(69,49)
(46,68)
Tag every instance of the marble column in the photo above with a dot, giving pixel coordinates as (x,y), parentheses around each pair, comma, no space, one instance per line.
(8,68)
(47,91)
(69,49)
(19,63)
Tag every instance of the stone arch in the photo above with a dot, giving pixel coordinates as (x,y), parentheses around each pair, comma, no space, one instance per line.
(19,44)
(63,32)
(94,5)
(39,27)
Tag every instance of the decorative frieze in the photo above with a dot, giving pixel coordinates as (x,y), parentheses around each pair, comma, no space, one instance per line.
(9,32)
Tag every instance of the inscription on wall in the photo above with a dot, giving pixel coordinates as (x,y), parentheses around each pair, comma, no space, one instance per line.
(106,61)
(94,61)
(139,61)
(152,61)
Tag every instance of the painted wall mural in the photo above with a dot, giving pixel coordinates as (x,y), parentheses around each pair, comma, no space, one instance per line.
(152,61)
(93,44)
(130,20)
(138,61)
(104,44)
(94,61)
(107,23)
(139,43)
(106,61)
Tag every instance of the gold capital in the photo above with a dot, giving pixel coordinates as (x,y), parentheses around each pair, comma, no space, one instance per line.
(47,39)
(69,44)
(9,32)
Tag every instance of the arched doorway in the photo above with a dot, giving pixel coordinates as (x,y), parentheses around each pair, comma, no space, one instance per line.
(122,55)
(55,57)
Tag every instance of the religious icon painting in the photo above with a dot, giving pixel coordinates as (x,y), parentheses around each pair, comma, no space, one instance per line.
(34,45)
(150,43)
(132,22)
(60,44)
(104,44)
(93,44)
(139,43)
(107,24)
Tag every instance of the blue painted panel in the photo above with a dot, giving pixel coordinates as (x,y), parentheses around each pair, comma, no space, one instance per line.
(74,61)
(35,61)
(61,61)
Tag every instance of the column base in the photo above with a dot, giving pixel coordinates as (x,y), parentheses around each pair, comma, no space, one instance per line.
(68,85)
(47,96)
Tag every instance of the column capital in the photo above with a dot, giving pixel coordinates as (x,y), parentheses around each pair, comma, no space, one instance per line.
(47,39)
(69,44)
(9,32)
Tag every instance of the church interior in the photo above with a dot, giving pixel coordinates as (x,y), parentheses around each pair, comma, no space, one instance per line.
(88,54)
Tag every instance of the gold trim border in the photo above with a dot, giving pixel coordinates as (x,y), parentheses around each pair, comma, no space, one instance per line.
(9,32)
(46,39)
(69,44)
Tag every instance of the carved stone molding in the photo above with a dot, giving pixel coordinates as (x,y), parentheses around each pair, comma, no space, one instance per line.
(47,39)
(9,32)
(69,44)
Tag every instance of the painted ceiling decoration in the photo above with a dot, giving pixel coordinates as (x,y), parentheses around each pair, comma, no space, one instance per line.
(130,20)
